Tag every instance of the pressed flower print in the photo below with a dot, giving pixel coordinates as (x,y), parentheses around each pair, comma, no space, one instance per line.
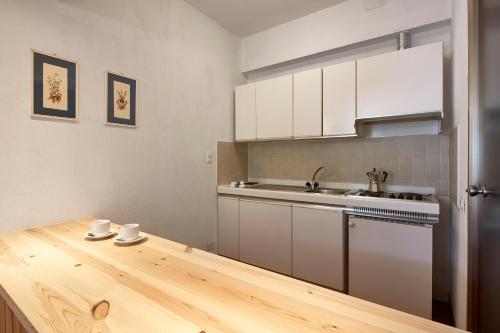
(121,100)
(55,86)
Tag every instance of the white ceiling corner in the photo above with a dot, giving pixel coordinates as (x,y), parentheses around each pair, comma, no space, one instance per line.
(244,17)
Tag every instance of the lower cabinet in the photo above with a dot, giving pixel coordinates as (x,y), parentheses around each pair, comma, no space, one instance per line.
(229,227)
(318,245)
(391,264)
(388,263)
(266,234)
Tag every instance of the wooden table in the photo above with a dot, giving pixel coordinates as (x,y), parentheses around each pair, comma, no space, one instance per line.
(52,279)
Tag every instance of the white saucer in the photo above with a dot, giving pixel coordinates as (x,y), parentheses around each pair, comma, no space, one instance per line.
(119,241)
(110,233)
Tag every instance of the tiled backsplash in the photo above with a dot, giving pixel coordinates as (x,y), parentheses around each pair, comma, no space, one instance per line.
(409,160)
(232,162)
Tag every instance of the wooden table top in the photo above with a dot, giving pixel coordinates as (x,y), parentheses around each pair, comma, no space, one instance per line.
(53,278)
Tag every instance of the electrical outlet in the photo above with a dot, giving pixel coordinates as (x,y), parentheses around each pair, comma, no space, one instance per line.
(209,157)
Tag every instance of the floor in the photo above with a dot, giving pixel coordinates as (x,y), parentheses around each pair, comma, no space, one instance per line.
(441,312)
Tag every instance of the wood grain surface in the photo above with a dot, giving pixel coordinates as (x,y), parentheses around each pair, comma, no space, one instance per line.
(56,280)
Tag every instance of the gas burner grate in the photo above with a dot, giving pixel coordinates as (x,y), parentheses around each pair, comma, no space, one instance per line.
(395,195)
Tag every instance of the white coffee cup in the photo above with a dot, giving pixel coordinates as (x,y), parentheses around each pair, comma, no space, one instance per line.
(100,227)
(129,231)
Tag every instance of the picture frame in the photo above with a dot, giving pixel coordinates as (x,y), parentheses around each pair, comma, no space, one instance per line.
(120,100)
(54,87)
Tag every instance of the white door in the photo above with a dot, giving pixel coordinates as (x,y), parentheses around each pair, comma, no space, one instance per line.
(391,264)
(245,120)
(307,103)
(274,104)
(266,235)
(339,99)
(401,83)
(318,245)
(229,227)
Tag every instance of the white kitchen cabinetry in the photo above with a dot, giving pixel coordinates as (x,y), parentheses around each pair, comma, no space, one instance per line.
(339,99)
(307,103)
(274,105)
(318,245)
(265,235)
(406,82)
(245,114)
(391,264)
(229,227)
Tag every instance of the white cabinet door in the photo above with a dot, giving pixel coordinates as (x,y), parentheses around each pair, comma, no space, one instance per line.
(307,103)
(274,103)
(339,99)
(229,227)
(245,114)
(318,245)
(391,264)
(266,235)
(401,83)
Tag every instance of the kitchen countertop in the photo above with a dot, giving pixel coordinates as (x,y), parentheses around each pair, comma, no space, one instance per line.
(291,193)
(52,278)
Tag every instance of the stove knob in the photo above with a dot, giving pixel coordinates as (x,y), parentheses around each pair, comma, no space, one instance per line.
(401,196)
(409,197)
(419,197)
(392,196)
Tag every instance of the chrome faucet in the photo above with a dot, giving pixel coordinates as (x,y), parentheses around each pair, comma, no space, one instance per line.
(313,184)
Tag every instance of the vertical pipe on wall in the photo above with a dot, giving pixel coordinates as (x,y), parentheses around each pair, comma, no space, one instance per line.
(404,40)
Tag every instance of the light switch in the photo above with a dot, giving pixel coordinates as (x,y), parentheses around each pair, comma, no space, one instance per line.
(209,156)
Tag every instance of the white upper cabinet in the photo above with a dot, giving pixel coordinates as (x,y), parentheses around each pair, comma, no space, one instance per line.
(339,99)
(327,102)
(245,114)
(274,104)
(402,83)
(307,104)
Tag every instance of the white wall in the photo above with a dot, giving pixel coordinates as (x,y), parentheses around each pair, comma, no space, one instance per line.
(186,66)
(459,120)
(338,26)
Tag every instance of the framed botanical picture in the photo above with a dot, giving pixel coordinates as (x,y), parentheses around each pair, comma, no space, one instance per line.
(121,100)
(55,91)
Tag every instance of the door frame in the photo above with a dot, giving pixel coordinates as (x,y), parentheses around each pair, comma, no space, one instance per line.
(473,176)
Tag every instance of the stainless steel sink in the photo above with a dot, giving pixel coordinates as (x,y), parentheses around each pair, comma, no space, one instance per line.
(271,187)
(285,188)
(332,191)
(327,191)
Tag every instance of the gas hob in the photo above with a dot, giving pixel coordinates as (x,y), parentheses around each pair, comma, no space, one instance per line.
(429,198)
(393,203)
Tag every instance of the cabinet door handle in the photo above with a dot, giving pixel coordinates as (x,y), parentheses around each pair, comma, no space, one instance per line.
(351,224)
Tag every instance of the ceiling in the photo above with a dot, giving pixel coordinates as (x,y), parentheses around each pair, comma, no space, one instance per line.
(244,17)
